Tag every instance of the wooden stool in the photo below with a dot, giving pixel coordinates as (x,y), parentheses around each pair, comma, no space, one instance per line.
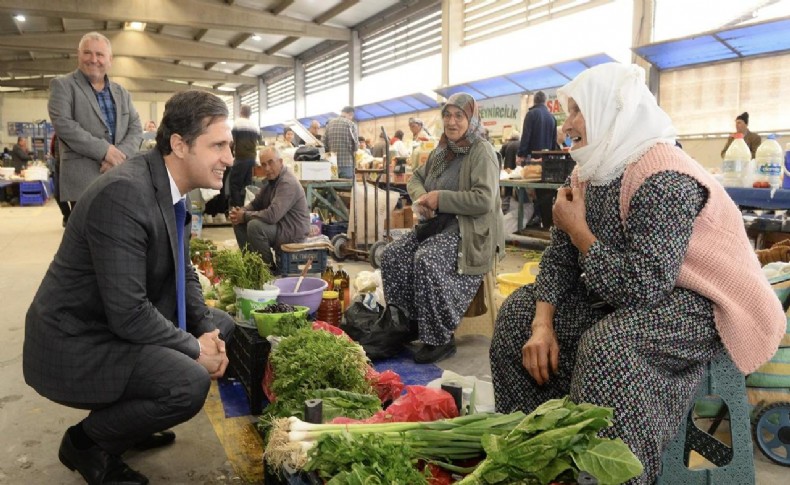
(480,317)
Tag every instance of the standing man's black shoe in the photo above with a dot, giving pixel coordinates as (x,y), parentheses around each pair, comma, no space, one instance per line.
(97,466)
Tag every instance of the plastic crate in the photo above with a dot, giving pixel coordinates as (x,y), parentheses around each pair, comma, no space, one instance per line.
(557,166)
(32,193)
(247,356)
(292,263)
(334,228)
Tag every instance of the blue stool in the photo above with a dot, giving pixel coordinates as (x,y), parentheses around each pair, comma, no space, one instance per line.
(735,465)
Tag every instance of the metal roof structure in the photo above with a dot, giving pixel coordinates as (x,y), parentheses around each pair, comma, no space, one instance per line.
(530,80)
(770,37)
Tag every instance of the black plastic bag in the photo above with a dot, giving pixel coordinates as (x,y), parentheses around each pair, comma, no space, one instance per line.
(307,154)
(382,334)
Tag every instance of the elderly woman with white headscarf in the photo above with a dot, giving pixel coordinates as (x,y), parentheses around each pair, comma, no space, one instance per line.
(434,271)
(648,276)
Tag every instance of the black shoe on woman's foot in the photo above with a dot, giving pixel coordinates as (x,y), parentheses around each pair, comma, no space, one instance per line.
(434,353)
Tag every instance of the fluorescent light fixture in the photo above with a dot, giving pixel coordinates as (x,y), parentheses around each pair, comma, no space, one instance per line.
(19,18)
(256,37)
(138,26)
(223,62)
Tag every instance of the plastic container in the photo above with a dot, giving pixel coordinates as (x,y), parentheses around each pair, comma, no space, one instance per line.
(735,159)
(769,162)
(309,295)
(510,282)
(267,323)
(249,300)
(786,178)
(329,310)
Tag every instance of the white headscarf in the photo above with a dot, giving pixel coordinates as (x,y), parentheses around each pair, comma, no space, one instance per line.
(622,119)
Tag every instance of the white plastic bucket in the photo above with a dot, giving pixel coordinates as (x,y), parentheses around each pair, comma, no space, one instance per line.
(249,300)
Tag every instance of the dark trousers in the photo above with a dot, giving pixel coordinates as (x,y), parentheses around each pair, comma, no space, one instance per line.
(257,236)
(65,208)
(166,388)
(240,178)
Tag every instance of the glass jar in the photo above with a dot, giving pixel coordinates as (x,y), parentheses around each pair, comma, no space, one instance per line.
(329,310)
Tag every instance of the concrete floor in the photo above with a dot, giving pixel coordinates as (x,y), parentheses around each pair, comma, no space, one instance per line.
(31,427)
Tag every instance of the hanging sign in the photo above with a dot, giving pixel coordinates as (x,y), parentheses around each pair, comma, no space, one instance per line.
(501,114)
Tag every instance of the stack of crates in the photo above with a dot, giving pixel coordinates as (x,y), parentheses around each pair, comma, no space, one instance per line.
(32,193)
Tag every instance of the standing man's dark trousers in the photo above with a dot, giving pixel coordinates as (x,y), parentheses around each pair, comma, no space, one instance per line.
(166,388)
(257,236)
(240,178)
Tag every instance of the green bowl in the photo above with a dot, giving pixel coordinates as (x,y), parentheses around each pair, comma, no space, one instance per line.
(267,323)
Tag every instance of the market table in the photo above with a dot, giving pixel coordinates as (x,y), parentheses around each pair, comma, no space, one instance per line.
(545,193)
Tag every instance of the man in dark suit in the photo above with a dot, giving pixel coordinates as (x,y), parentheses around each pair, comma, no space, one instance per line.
(103,330)
(94,118)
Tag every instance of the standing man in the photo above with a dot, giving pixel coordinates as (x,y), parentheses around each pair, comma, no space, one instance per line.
(342,139)
(94,118)
(20,154)
(539,131)
(753,140)
(246,135)
(278,215)
(118,325)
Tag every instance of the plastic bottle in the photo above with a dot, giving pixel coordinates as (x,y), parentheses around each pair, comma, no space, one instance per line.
(345,286)
(329,309)
(735,159)
(769,162)
(786,178)
(329,276)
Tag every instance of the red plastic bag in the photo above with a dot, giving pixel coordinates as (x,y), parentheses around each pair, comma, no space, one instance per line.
(268,380)
(387,384)
(321,325)
(420,403)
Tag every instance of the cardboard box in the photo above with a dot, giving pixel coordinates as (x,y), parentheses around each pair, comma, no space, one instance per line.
(408,217)
(320,170)
(397,219)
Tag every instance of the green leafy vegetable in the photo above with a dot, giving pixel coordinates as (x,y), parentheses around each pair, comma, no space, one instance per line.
(310,360)
(558,439)
(242,269)
(198,245)
(347,404)
(363,459)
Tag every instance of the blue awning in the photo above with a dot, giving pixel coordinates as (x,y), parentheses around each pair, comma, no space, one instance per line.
(322,119)
(544,77)
(272,129)
(395,106)
(768,37)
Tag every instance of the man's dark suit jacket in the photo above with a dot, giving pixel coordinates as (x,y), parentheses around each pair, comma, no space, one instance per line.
(539,131)
(111,289)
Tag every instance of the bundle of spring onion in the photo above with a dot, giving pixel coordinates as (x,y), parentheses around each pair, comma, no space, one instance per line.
(298,445)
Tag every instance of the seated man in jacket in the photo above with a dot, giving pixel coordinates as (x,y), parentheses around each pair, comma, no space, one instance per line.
(278,214)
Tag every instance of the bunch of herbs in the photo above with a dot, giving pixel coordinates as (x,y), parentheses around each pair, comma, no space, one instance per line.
(245,270)
(309,360)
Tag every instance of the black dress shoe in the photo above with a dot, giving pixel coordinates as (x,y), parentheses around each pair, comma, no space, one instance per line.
(156,440)
(434,353)
(97,466)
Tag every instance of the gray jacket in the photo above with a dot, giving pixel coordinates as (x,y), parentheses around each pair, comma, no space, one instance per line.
(288,208)
(84,137)
(476,205)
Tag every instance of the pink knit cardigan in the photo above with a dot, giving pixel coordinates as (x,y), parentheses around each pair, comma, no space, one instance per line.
(719,263)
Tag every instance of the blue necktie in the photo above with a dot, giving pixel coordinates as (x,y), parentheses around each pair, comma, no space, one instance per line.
(181,212)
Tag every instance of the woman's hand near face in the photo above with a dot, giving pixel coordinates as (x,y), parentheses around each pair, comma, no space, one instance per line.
(570,215)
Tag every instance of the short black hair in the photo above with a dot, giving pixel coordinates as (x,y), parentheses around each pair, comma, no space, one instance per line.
(347,109)
(399,134)
(245,111)
(188,114)
(540,97)
(287,129)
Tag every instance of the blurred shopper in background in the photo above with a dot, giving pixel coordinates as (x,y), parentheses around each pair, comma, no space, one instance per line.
(246,136)
(753,140)
(342,139)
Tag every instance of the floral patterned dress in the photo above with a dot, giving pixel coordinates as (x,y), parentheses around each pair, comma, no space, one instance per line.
(645,356)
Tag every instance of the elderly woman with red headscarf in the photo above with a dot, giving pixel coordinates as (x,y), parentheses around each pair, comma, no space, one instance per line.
(649,275)
(434,271)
